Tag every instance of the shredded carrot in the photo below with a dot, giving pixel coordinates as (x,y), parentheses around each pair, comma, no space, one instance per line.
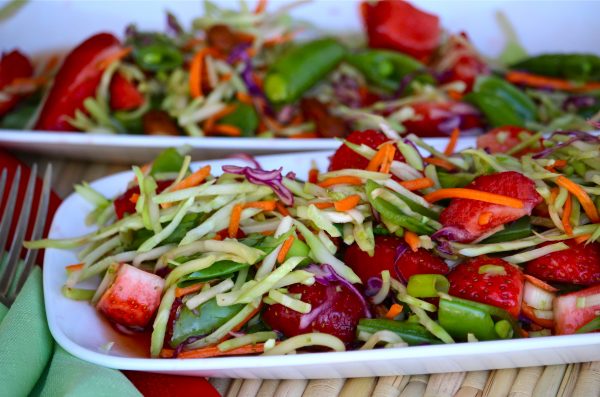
(116,56)
(234,221)
(297,120)
(313,175)
(529,313)
(209,124)
(213,351)
(285,249)
(244,98)
(281,209)
(179,292)
(134,198)
(346,204)
(226,129)
(244,37)
(553,194)
(566,215)
(473,194)
(583,238)
(586,202)
(389,158)
(195,80)
(484,218)
(193,180)
(75,267)
(440,163)
(260,6)
(218,237)
(453,94)
(268,232)
(323,204)
(539,283)
(417,184)
(226,77)
(538,81)
(558,163)
(412,239)
(341,180)
(395,309)
(304,135)
(267,205)
(378,159)
(452,142)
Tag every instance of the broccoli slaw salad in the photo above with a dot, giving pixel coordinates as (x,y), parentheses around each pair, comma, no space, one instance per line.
(396,244)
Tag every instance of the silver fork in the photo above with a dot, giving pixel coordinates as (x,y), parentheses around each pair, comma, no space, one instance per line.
(12,278)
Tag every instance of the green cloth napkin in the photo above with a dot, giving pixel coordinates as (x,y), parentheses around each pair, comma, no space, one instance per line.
(32,364)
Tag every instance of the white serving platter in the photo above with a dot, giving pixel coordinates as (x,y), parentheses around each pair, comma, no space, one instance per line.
(80,330)
(41,27)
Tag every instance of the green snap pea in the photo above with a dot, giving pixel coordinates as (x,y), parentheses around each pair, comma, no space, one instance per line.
(300,68)
(244,117)
(158,57)
(578,67)
(411,332)
(519,229)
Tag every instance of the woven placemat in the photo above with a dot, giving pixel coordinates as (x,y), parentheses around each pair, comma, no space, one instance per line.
(556,380)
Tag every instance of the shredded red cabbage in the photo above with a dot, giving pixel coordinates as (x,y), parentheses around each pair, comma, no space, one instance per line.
(272,179)
(575,136)
(173,24)
(325,275)
(450,233)
(374,284)
(246,157)
(400,250)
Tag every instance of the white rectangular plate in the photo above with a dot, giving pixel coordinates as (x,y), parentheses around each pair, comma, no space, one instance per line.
(34,30)
(82,331)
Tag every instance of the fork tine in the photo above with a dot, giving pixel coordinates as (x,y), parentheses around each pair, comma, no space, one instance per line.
(38,229)
(19,235)
(8,214)
(3,182)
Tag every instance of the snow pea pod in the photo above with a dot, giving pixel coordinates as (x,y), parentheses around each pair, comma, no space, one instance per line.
(244,117)
(220,269)
(519,229)
(578,67)
(410,332)
(300,68)
(501,102)
(388,69)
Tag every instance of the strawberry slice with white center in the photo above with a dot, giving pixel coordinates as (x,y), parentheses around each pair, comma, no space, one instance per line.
(133,298)
(573,311)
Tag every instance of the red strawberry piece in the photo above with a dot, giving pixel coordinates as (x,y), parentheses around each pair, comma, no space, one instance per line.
(441,118)
(580,264)
(345,157)
(502,139)
(132,298)
(124,204)
(335,311)
(493,286)
(13,65)
(461,62)
(569,316)
(124,95)
(461,217)
(392,254)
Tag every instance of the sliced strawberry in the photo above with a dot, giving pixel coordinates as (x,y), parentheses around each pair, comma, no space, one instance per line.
(124,95)
(502,139)
(133,297)
(580,264)
(569,316)
(441,118)
(124,204)
(461,218)
(335,311)
(461,62)
(345,157)
(392,254)
(491,285)
(13,65)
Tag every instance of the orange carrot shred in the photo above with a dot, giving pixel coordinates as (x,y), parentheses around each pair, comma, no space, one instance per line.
(260,6)
(287,244)
(267,205)
(583,238)
(117,55)
(412,239)
(304,135)
(281,209)
(75,267)
(193,180)
(234,221)
(378,159)
(566,215)
(539,283)
(213,351)
(484,218)
(179,292)
(347,203)
(538,81)
(322,204)
(134,198)
(313,175)
(452,142)
(195,80)
(244,98)
(473,194)
(389,158)
(395,309)
(440,163)
(339,180)
(268,232)
(586,202)
(417,184)
(209,124)
(226,129)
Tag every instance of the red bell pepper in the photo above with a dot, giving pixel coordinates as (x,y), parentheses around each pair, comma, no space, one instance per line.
(124,95)
(397,25)
(441,118)
(77,79)
(13,65)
